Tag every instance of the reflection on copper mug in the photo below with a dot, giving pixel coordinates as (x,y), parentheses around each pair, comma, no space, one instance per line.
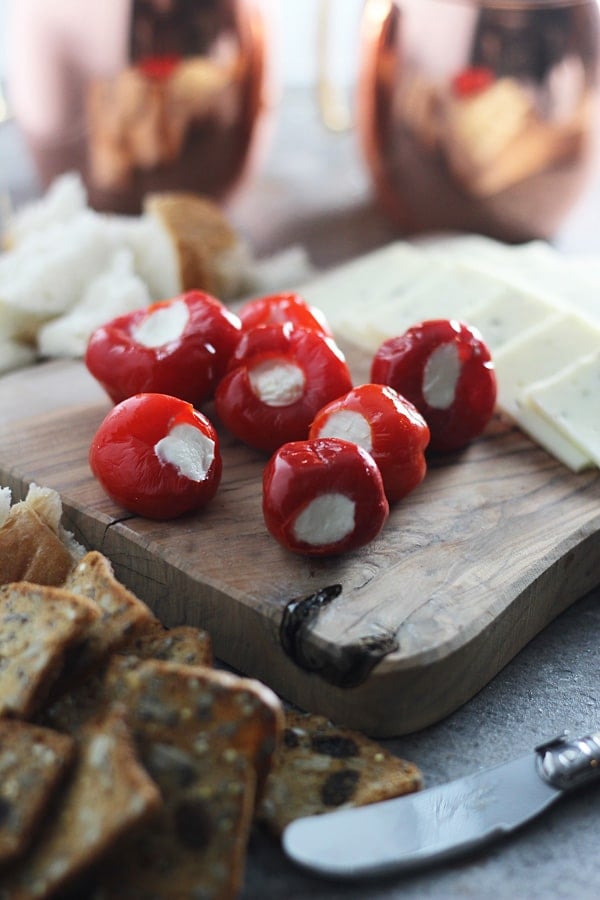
(141,95)
(478,115)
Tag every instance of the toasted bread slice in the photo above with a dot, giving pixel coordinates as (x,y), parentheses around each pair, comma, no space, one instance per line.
(33,761)
(320,767)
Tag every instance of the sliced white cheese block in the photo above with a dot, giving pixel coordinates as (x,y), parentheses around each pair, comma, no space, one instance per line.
(570,401)
(537,311)
(536,267)
(539,353)
(439,292)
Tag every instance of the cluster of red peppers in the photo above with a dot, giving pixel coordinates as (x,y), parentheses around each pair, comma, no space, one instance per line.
(339,454)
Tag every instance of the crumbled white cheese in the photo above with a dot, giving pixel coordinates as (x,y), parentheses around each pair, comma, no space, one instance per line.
(440,376)
(349,426)
(326,520)
(277,382)
(163,325)
(189,450)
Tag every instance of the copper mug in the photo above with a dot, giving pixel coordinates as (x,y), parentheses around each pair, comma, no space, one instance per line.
(142,95)
(478,115)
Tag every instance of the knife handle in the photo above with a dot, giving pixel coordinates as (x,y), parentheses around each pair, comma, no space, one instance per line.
(566,764)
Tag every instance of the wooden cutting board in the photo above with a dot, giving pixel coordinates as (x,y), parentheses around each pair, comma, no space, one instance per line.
(494,544)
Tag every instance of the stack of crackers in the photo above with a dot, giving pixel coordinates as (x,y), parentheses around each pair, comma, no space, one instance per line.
(129,765)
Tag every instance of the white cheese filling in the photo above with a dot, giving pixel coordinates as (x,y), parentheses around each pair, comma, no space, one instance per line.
(190,451)
(277,382)
(349,426)
(440,376)
(163,326)
(326,520)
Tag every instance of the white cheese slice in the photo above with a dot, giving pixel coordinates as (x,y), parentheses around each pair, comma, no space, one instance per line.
(508,314)
(367,280)
(325,520)
(536,268)
(539,353)
(440,292)
(570,401)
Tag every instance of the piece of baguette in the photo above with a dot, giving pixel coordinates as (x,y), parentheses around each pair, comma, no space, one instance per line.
(34,545)
(211,255)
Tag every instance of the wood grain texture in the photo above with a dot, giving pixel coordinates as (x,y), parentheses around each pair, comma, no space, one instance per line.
(492,546)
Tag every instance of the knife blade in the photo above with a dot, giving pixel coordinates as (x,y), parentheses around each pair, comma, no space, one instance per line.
(444,821)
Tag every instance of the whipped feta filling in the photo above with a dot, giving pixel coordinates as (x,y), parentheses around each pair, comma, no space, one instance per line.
(189,450)
(440,376)
(162,326)
(326,520)
(349,426)
(277,382)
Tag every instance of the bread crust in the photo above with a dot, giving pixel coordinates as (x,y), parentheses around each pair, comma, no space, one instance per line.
(203,241)
(31,551)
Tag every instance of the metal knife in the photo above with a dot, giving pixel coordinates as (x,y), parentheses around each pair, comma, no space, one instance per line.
(443,821)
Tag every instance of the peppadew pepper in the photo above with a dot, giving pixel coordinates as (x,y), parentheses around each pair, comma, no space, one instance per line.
(179,347)
(279,377)
(323,497)
(384,424)
(157,456)
(446,370)
(285,307)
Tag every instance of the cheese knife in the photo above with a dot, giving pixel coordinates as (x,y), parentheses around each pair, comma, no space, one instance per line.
(444,821)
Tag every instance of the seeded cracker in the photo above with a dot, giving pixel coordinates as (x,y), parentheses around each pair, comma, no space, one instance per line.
(203,736)
(33,762)
(122,615)
(183,644)
(319,767)
(109,794)
(86,699)
(38,624)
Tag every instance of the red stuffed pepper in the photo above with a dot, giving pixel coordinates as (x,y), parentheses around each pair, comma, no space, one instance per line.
(279,377)
(323,497)
(179,347)
(157,456)
(279,308)
(445,369)
(387,426)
